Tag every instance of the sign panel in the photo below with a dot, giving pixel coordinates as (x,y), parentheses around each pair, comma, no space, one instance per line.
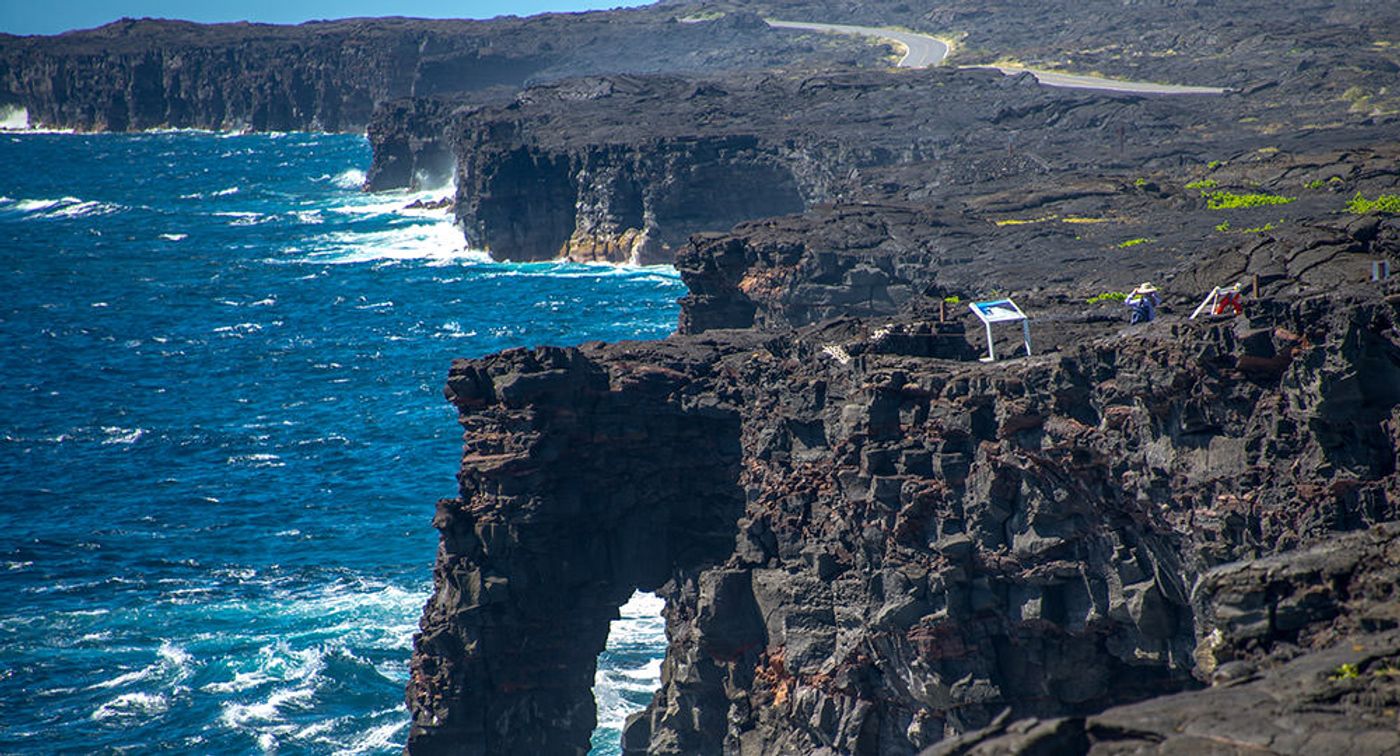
(997,311)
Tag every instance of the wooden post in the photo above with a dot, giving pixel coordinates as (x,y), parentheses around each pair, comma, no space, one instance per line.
(1255,295)
(942,310)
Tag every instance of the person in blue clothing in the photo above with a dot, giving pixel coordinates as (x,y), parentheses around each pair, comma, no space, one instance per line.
(1143,303)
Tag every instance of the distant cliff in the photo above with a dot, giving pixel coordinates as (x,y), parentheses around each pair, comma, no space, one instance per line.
(141,74)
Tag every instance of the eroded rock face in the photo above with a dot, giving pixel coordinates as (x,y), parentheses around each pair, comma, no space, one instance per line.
(887,548)
(588,474)
(1301,651)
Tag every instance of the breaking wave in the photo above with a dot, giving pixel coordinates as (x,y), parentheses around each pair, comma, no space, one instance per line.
(61,208)
(629,669)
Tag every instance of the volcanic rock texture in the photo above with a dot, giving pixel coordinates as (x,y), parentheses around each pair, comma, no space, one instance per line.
(132,75)
(866,551)
(870,542)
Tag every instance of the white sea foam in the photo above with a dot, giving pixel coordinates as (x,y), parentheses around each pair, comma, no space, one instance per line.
(453,329)
(244,217)
(239,716)
(639,628)
(35,205)
(116,435)
(379,738)
(63,207)
(226,192)
(434,243)
(129,705)
(351,179)
(237,330)
(257,460)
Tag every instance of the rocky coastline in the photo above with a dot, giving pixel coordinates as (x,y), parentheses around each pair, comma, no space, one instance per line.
(1158,539)
(1178,537)
(870,542)
(139,74)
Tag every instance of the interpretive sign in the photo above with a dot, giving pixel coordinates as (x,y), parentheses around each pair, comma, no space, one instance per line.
(997,311)
(1000,311)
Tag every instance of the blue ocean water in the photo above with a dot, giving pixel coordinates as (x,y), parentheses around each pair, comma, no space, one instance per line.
(222,434)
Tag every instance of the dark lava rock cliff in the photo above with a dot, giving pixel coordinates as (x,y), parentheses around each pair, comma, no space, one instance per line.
(132,75)
(866,546)
(1171,538)
(624,169)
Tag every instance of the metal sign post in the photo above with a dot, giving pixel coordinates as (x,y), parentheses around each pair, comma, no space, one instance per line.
(1001,311)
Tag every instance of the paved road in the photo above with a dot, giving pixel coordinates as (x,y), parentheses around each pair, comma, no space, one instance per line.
(925,51)
(1077,81)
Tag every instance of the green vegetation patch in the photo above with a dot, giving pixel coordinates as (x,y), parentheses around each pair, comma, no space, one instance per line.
(1385,203)
(1346,672)
(1133,242)
(1203,184)
(1223,228)
(1232,201)
(1107,296)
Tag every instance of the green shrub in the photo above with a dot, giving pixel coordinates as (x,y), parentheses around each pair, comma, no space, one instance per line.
(1140,183)
(1315,184)
(1133,242)
(1384,203)
(1231,201)
(952,299)
(1107,296)
(1259,229)
(1346,672)
(1203,184)
(1223,228)
(1215,164)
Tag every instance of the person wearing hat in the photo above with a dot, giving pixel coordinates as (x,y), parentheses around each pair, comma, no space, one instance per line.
(1143,303)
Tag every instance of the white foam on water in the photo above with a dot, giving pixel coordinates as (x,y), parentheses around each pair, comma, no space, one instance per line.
(452,329)
(63,207)
(241,716)
(432,243)
(35,205)
(115,435)
(226,192)
(171,667)
(244,217)
(639,629)
(257,460)
(131,705)
(238,330)
(351,179)
(375,739)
